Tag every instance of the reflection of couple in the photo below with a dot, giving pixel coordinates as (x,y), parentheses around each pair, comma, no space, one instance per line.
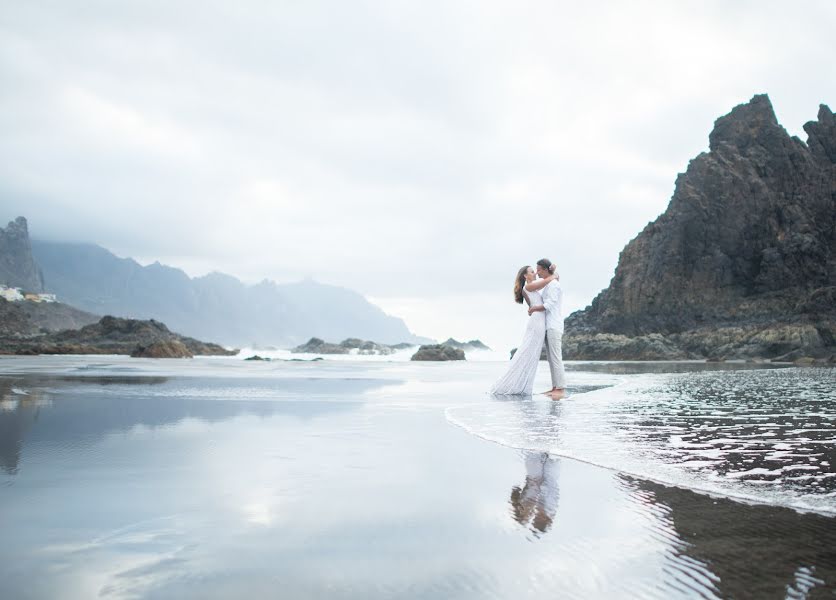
(541,290)
(535,504)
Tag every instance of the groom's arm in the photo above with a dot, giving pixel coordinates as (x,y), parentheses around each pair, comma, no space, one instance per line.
(550,301)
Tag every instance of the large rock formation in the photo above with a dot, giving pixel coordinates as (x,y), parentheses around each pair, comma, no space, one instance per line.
(111,335)
(743,261)
(163,349)
(17,267)
(347,346)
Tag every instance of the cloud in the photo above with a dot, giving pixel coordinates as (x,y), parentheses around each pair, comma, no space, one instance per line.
(419,153)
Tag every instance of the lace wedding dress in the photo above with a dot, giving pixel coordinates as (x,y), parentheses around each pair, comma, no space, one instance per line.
(519,378)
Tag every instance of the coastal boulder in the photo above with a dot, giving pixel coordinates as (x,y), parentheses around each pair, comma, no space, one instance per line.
(316,345)
(438,352)
(164,349)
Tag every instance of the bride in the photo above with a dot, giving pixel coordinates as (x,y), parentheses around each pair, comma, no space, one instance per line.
(519,378)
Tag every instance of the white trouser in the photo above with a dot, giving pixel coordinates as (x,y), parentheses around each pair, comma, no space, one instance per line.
(554,350)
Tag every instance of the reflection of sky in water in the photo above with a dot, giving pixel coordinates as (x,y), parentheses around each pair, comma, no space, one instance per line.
(316,483)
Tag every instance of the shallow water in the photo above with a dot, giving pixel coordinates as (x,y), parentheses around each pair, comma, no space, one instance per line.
(215,478)
(763,435)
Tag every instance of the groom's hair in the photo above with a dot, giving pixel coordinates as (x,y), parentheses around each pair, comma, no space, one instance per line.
(546,264)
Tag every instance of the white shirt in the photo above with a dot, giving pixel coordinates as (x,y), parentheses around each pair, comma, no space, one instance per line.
(553,301)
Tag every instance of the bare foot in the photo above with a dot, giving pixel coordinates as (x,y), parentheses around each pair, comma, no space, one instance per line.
(557,394)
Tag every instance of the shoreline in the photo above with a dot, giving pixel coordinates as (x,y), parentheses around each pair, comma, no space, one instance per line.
(234,472)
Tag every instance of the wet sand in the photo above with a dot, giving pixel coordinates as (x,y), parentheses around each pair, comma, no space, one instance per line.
(158,479)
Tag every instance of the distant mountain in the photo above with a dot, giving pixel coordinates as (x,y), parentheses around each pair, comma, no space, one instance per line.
(17,267)
(217,306)
(743,261)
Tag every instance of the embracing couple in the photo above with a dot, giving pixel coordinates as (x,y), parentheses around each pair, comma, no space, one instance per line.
(540,289)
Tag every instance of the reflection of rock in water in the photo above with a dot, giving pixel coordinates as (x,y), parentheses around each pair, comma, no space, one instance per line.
(759,551)
(535,503)
(81,413)
(18,411)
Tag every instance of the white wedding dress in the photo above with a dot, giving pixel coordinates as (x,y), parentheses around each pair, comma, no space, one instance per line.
(519,378)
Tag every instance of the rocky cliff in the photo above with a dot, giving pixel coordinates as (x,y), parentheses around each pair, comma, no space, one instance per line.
(17,267)
(743,261)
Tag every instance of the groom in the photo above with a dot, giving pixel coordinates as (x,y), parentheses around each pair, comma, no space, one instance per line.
(553,301)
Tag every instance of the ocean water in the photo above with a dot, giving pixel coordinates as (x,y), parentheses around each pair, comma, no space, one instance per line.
(404,355)
(218,477)
(764,436)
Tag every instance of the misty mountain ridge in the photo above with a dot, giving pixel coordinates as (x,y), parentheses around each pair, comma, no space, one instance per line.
(216,306)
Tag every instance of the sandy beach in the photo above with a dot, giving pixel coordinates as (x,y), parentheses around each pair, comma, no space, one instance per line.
(215,478)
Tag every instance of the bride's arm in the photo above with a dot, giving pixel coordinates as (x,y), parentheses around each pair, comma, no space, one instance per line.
(539,284)
(534,309)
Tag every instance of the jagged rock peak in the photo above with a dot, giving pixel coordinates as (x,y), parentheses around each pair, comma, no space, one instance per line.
(822,134)
(20,225)
(745,246)
(745,124)
(18,230)
(17,266)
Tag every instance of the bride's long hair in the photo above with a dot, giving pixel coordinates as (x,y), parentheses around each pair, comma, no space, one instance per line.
(519,283)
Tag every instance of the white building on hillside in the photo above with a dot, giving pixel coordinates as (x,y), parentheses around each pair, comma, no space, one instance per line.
(10,294)
(40,297)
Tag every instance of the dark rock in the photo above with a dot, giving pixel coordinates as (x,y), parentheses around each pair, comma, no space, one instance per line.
(621,347)
(112,335)
(743,261)
(318,346)
(17,266)
(347,346)
(367,347)
(256,357)
(163,349)
(437,352)
(402,346)
(467,346)
(351,343)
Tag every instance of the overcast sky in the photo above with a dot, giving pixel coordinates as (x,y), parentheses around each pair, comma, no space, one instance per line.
(417,152)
